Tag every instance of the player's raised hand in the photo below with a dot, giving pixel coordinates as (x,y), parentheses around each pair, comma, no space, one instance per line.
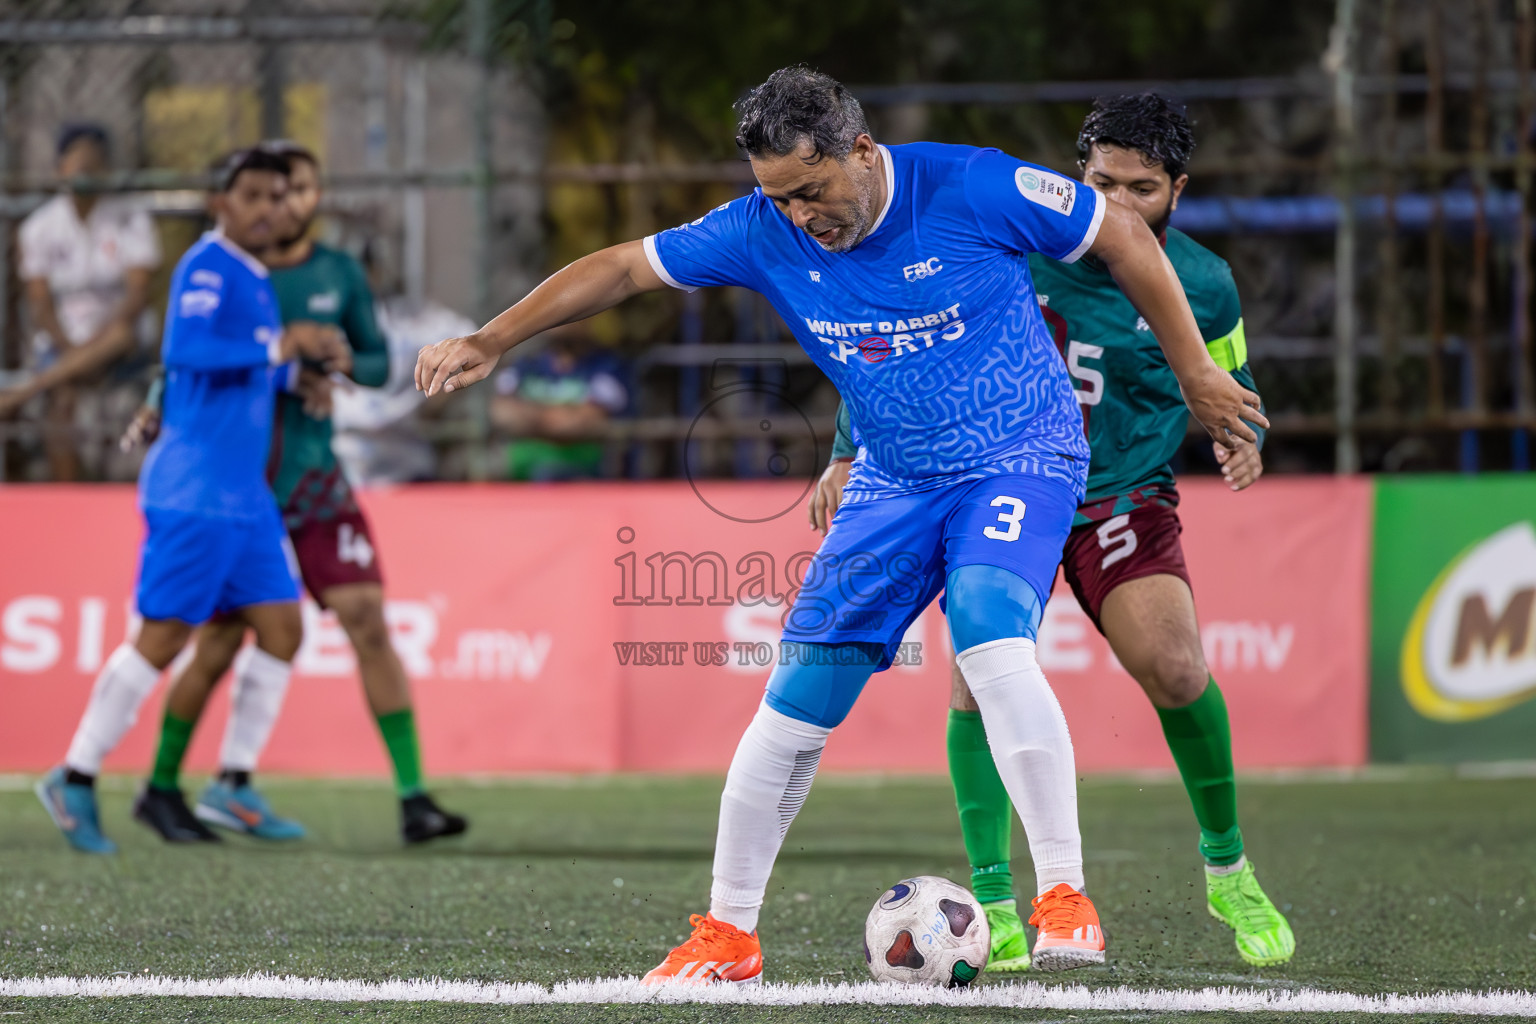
(1223,406)
(828,494)
(455,363)
(1241,466)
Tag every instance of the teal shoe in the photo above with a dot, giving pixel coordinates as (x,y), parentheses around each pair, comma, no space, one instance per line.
(243,809)
(72,807)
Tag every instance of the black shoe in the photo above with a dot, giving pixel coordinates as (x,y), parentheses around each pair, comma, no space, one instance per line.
(421,819)
(166,811)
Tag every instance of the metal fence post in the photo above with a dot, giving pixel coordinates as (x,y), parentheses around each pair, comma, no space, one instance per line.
(478,29)
(1344,46)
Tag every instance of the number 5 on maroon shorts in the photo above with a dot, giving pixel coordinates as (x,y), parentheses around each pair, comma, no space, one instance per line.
(1100,556)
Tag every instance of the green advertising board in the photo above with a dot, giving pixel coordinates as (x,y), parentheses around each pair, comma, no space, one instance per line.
(1453,644)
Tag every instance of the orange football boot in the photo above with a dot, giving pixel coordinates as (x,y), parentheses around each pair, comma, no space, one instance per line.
(1070,936)
(715,952)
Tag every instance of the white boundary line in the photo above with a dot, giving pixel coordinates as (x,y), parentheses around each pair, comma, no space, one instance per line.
(1028,995)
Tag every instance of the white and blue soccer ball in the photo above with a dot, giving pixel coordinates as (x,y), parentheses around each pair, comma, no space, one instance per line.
(927,931)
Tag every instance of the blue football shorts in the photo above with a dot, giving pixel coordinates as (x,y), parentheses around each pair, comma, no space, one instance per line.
(885,559)
(193,566)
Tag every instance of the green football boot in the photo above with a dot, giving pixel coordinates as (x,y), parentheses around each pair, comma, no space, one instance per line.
(1264,937)
(1010,946)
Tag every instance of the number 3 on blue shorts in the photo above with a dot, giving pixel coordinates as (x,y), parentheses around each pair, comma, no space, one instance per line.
(1013,519)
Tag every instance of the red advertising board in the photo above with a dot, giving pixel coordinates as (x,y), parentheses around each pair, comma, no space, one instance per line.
(580,628)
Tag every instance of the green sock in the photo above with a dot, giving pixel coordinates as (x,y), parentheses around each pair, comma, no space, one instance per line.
(1200,738)
(175,735)
(399,731)
(986,816)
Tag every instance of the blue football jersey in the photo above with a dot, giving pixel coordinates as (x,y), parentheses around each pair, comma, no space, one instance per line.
(221,320)
(929,327)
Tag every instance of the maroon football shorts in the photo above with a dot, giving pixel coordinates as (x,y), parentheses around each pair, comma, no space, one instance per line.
(1100,556)
(334,551)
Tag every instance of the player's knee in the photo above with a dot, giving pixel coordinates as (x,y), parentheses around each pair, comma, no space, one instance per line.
(218,641)
(985,603)
(280,634)
(361,615)
(1175,678)
(159,641)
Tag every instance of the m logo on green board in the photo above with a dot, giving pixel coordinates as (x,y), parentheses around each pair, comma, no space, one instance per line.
(1453,619)
(1469,651)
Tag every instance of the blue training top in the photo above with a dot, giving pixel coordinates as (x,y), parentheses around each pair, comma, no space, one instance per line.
(929,327)
(220,323)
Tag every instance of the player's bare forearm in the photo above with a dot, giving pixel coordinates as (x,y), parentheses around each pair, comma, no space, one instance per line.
(1130,251)
(1140,268)
(585,288)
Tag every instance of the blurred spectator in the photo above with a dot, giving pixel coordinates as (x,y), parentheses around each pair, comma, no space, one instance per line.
(85,262)
(377,436)
(553,403)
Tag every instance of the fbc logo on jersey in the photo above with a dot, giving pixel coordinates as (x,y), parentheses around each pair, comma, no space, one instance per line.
(925,268)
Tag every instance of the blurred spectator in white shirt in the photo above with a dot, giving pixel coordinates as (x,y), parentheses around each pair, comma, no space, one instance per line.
(378,430)
(85,261)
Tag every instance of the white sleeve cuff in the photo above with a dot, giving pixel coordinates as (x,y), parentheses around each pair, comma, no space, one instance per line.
(654,258)
(1089,236)
(275,350)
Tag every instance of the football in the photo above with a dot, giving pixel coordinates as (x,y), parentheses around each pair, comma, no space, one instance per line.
(927,931)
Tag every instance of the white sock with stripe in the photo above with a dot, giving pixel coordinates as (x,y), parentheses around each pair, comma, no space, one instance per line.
(261,681)
(764,790)
(1033,751)
(125,680)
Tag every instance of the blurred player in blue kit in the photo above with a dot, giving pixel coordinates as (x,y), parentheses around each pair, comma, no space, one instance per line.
(214,539)
(903,272)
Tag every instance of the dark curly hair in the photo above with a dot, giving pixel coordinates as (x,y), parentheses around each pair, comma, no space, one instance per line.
(798,104)
(1150,124)
(229,167)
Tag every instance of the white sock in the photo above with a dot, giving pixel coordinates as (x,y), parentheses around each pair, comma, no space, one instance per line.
(1227,869)
(764,790)
(1033,750)
(261,680)
(120,689)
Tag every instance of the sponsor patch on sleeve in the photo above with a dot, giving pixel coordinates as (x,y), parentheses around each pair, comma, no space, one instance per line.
(1051,191)
(199,302)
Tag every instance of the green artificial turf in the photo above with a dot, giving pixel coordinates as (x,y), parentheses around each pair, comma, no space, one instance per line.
(1391,886)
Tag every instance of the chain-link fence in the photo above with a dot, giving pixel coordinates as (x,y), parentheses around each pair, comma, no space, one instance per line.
(1374,204)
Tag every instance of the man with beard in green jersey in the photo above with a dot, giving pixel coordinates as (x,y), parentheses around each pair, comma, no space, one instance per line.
(333,547)
(1123,558)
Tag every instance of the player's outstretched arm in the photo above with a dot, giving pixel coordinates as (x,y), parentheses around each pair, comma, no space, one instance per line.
(585,288)
(1128,248)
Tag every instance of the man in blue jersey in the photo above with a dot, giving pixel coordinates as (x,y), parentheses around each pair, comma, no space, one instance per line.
(214,540)
(902,271)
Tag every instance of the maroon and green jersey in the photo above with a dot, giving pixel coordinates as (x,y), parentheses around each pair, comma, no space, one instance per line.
(329,288)
(1132,407)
